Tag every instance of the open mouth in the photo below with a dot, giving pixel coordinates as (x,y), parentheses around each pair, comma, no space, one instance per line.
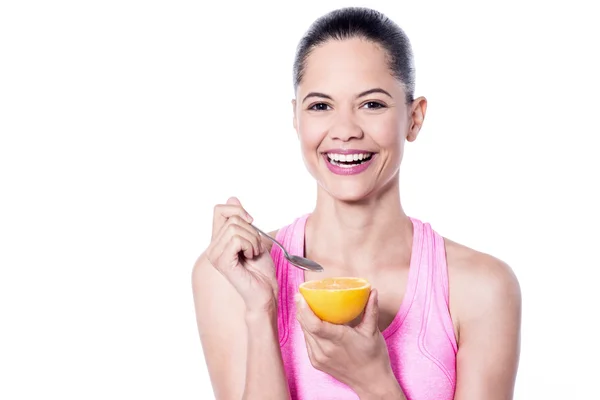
(348,160)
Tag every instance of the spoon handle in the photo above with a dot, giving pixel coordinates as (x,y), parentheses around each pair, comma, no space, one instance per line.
(271,239)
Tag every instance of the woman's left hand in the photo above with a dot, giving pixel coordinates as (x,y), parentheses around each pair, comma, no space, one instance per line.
(356,356)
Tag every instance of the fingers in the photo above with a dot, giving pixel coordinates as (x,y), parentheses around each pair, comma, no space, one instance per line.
(307,318)
(236,245)
(370,321)
(234,237)
(313,325)
(222,212)
(232,231)
(236,226)
(323,340)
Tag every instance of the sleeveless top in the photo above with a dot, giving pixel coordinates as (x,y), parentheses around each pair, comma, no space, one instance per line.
(420,339)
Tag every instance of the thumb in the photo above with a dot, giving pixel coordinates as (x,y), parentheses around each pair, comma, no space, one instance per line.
(234,201)
(370,321)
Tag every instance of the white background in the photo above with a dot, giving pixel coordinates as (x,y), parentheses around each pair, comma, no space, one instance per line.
(123,122)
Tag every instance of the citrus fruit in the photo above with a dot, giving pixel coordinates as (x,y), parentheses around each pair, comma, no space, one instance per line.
(336,300)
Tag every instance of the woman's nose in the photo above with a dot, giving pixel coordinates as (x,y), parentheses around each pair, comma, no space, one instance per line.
(345,128)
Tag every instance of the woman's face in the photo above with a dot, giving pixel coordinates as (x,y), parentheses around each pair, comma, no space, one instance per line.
(352,119)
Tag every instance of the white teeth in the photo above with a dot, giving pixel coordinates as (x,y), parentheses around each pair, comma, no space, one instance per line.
(348,157)
(340,159)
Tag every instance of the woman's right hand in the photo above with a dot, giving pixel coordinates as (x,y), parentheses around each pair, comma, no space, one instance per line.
(237,252)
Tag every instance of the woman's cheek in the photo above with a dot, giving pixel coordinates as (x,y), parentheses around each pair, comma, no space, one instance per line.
(312,133)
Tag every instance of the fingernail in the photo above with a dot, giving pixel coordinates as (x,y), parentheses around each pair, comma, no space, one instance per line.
(249,218)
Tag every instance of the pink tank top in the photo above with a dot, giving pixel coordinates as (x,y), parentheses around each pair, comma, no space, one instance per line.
(420,340)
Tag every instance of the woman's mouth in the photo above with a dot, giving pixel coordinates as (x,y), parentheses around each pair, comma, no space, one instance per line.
(348,160)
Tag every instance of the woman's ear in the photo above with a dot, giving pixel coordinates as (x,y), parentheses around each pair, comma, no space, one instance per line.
(418,109)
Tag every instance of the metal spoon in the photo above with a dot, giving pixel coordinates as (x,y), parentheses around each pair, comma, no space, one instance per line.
(300,262)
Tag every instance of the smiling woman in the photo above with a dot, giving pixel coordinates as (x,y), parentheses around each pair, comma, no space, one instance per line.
(442,320)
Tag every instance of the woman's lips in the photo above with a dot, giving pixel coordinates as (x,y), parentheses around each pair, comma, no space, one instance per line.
(348,161)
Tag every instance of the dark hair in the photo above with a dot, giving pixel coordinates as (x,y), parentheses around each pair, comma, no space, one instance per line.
(365,23)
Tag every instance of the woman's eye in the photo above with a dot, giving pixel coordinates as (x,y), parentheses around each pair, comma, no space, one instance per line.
(319,107)
(373,105)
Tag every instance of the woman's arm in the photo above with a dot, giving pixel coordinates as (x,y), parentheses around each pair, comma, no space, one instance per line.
(265,376)
(487,301)
(241,349)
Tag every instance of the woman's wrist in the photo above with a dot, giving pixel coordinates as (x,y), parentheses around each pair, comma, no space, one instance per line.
(263,313)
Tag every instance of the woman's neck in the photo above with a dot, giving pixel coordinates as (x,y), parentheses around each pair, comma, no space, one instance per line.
(357,234)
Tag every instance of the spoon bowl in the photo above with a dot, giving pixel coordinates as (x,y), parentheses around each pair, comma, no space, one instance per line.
(297,261)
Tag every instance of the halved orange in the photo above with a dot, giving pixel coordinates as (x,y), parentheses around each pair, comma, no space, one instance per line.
(336,300)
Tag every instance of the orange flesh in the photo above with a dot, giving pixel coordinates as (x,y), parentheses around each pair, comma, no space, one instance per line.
(336,284)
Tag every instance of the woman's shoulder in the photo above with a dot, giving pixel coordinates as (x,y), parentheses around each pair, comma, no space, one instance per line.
(480,284)
(268,243)
(473,266)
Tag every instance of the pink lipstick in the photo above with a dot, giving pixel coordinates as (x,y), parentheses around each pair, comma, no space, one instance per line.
(348,161)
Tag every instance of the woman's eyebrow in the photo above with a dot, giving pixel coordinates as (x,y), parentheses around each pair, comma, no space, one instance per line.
(316,94)
(374,90)
(362,94)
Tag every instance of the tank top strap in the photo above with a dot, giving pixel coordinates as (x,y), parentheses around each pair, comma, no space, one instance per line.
(434,282)
(292,238)
(427,259)
(440,265)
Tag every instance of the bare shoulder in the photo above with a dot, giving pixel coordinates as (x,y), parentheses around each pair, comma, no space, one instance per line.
(269,244)
(485,303)
(471,266)
(480,284)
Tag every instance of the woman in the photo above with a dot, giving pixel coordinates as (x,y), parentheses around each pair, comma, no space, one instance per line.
(442,321)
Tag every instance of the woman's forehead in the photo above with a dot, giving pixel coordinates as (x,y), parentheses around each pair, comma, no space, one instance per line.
(339,53)
(347,65)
